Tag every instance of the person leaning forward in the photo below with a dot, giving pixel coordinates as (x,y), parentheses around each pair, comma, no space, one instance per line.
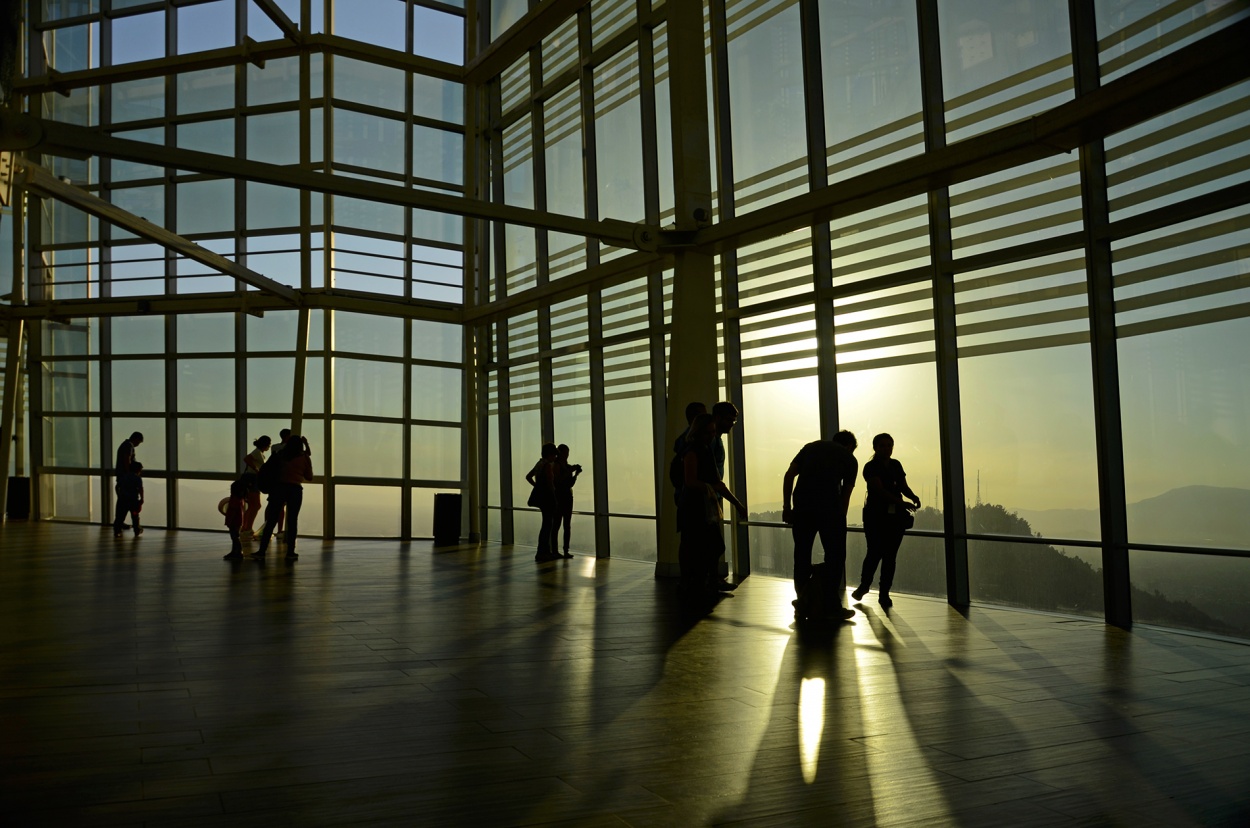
(826,471)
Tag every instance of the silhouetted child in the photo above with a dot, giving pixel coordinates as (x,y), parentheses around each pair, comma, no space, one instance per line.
(129,491)
(234,517)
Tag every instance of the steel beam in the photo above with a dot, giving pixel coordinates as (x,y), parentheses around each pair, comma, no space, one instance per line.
(67,139)
(279,18)
(1186,75)
(520,37)
(329,299)
(41,181)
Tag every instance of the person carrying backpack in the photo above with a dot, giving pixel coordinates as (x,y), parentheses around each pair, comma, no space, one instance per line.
(293,465)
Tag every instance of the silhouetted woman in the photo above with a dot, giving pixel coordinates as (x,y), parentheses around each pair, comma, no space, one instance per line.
(565,478)
(251,468)
(699,511)
(885,512)
(288,494)
(543,497)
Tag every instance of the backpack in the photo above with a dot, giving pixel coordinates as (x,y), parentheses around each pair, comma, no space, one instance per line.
(270,474)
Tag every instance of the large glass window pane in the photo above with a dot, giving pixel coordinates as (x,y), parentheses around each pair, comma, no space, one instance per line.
(152,453)
(436,393)
(436,98)
(1002,63)
(138,334)
(435,453)
(367,334)
(768,113)
(368,141)
(871,84)
(1026,394)
(437,154)
(206,206)
(275,82)
(632,538)
(1183,320)
(526,424)
(1194,592)
(1035,576)
(138,385)
(436,341)
(139,37)
(369,83)
(374,389)
(206,90)
(618,137)
(206,26)
(437,35)
(206,445)
(138,100)
(778,418)
(503,13)
(1133,34)
(67,442)
(368,449)
(571,417)
(197,505)
(206,385)
(627,419)
(378,22)
(273,138)
(366,511)
(205,332)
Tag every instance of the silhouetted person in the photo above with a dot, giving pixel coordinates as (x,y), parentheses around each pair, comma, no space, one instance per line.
(883,509)
(699,512)
(288,494)
(826,470)
(543,497)
(565,478)
(725,417)
(252,463)
(126,452)
(239,492)
(676,474)
(129,490)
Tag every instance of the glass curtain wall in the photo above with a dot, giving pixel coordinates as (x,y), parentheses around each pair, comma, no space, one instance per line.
(375,94)
(863,291)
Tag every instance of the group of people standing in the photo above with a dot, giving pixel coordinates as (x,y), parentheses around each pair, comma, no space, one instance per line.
(282,477)
(818,505)
(552,480)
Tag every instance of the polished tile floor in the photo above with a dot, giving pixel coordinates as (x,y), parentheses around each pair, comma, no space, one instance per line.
(147,682)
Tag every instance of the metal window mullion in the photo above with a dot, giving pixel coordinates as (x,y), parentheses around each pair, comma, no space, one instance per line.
(104,278)
(171,287)
(1104,354)
(599,421)
(950,428)
(241,430)
(505,438)
(822,255)
(542,247)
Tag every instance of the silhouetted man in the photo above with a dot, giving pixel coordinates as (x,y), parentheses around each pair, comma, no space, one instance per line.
(826,470)
(126,453)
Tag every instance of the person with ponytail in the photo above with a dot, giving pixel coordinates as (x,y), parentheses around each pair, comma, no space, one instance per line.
(887,515)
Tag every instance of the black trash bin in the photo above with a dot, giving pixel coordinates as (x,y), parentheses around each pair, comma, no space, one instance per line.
(18,505)
(446,519)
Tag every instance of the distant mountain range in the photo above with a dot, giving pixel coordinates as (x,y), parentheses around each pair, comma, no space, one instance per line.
(1188,516)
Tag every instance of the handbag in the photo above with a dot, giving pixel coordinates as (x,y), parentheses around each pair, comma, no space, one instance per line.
(900,517)
(535,500)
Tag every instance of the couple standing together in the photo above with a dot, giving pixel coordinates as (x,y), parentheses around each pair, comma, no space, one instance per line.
(818,505)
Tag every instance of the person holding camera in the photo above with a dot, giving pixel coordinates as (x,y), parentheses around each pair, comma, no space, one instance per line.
(565,478)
